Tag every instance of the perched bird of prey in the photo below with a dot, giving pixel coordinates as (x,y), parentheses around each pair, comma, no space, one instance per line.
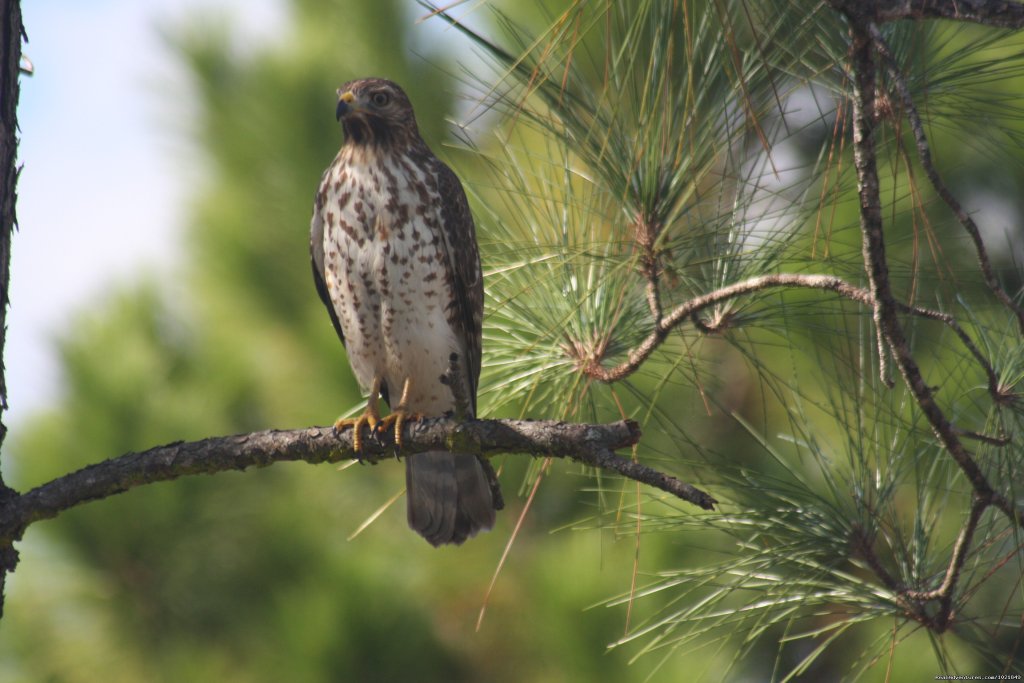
(395,261)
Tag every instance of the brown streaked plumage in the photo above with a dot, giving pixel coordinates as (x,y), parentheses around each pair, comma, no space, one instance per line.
(395,262)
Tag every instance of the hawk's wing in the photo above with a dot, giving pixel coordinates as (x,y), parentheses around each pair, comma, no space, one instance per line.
(463,264)
(316,252)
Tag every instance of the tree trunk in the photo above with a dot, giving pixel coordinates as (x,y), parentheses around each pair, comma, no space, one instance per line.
(10,48)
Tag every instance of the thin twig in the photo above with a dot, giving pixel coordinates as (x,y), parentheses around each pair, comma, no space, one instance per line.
(995,389)
(984,438)
(925,155)
(863,546)
(912,605)
(913,601)
(956,563)
(944,593)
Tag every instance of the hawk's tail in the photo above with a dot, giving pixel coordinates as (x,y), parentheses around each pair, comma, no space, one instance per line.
(451,495)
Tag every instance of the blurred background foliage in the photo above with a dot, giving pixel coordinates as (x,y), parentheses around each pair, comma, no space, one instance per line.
(723,126)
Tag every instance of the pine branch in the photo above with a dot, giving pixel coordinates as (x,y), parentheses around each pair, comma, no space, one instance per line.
(944,592)
(590,444)
(864,69)
(689,310)
(865,45)
(924,154)
(1000,13)
(686,310)
(915,603)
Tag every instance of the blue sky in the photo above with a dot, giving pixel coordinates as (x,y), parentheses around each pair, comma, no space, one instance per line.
(107,165)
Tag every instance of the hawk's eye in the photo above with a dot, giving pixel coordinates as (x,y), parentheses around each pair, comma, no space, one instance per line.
(380,98)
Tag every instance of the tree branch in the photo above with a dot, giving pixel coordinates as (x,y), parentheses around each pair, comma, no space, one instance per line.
(944,593)
(999,13)
(591,444)
(925,155)
(875,264)
(914,601)
(690,309)
(685,310)
(866,42)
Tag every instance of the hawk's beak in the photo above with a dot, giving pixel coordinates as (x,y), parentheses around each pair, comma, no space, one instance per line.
(345,101)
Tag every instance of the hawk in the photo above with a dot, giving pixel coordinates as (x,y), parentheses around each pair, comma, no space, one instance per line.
(396,263)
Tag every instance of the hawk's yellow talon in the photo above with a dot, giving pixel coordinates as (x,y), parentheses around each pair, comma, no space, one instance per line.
(370,418)
(399,416)
(356,423)
(397,420)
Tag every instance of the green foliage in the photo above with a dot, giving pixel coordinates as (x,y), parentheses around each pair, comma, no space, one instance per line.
(673,139)
(701,143)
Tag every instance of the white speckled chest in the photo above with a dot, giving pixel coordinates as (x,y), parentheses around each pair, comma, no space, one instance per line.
(387,274)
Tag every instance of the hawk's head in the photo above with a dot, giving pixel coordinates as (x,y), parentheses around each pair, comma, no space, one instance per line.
(376,111)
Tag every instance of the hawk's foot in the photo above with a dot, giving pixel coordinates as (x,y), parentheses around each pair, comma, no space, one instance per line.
(397,420)
(370,419)
(399,416)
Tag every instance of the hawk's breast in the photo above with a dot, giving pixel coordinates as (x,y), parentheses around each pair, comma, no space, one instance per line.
(387,273)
